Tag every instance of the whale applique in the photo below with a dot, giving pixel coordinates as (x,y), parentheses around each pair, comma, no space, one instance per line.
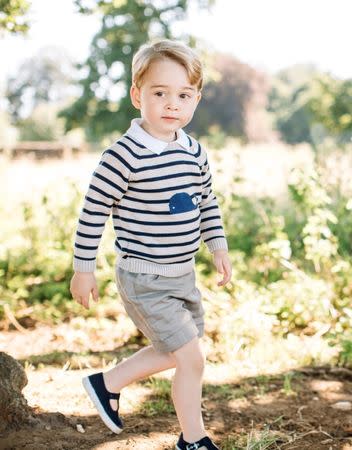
(182,202)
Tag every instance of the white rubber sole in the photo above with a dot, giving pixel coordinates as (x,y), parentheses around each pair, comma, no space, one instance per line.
(93,396)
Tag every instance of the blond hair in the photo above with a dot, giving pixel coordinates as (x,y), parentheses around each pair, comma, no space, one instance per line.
(174,50)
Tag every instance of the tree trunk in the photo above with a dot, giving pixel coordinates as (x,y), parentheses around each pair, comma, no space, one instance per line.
(14,409)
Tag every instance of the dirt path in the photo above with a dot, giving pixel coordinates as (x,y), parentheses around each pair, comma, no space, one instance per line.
(292,410)
(232,411)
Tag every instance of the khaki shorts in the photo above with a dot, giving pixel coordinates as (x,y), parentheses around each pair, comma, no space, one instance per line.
(168,310)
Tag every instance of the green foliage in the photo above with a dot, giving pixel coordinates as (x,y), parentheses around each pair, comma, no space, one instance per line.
(310,106)
(319,242)
(288,102)
(345,356)
(13,18)
(331,105)
(289,275)
(36,263)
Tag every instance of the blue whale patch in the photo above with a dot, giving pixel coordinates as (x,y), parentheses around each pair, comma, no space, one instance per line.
(182,202)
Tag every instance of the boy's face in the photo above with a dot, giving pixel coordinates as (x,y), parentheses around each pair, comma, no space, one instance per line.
(166,99)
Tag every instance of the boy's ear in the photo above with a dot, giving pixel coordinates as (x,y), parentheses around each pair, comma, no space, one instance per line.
(135,96)
(199,96)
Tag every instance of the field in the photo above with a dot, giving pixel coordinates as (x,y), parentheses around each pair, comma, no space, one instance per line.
(276,368)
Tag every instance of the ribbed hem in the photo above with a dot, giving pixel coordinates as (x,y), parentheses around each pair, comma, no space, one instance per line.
(167,270)
(79,265)
(217,244)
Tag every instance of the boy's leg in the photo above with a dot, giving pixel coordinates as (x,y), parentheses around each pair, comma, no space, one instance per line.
(187,389)
(142,364)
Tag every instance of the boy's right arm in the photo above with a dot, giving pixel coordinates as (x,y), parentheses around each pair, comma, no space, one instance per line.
(109,183)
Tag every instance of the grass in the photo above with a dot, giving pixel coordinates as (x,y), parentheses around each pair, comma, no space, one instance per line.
(256,440)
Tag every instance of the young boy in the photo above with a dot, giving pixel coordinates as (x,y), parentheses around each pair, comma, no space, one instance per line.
(156,181)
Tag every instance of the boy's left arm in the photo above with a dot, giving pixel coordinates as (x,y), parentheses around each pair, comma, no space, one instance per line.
(211,226)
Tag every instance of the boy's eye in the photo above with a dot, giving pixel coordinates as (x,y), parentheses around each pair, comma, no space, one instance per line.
(159,94)
(185,96)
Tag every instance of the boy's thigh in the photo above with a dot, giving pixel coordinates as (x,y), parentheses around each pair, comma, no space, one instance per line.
(168,310)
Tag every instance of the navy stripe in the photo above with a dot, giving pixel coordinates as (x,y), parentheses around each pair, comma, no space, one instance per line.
(159,245)
(141,233)
(155,155)
(88,224)
(95,213)
(119,157)
(173,255)
(207,181)
(84,259)
(156,202)
(132,140)
(117,172)
(214,237)
(141,222)
(209,218)
(173,188)
(97,202)
(189,141)
(89,236)
(141,211)
(212,228)
(168,164)
(203,210)
(109,182)
(166,177)
(206,196)
(86,247)
(199,151)
(91,186)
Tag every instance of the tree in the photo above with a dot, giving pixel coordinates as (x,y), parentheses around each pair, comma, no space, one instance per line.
(331,106)
(233,101)
(45,77)
(104,105)
(288,102)
(12,17)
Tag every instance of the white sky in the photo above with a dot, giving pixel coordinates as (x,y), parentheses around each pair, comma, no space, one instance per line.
(268,34)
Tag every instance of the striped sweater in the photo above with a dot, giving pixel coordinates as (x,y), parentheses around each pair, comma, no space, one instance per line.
(162,205)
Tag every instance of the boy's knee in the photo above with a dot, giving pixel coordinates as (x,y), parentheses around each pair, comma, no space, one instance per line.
(190,356)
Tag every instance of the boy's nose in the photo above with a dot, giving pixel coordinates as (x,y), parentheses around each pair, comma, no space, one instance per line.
(172,107)
(172,104)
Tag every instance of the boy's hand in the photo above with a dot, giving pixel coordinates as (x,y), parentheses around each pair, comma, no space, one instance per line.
(223,265)
(82,284)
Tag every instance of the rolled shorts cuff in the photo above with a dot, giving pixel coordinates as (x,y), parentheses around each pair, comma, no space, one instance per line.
(178,339)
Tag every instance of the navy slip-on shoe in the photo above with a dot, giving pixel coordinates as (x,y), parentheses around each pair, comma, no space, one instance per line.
(205,442)
(100,396)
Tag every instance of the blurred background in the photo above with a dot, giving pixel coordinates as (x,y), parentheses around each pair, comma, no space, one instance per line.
(276,118)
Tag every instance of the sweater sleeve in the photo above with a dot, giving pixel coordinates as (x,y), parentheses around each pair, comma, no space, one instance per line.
(211,226)
(108,184)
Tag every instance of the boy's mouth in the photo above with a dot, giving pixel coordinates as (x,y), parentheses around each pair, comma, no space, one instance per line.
(169,118)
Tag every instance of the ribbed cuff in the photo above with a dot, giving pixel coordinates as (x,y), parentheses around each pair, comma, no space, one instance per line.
(79,265)
(217,244)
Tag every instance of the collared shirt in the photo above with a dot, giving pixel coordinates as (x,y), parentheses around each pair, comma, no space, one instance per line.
(152,143)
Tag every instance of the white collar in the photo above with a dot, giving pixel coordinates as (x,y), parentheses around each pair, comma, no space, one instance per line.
(136,132)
